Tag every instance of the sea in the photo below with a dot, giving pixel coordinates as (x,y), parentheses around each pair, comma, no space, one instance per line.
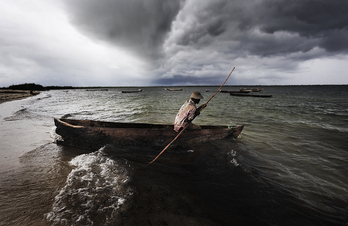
(289,166)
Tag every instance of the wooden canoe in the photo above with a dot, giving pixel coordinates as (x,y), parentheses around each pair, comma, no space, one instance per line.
(131,91)
(93,135)
(234,91)
(244,90)
(173,89)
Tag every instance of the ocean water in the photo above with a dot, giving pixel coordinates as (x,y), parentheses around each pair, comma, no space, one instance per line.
(288,167)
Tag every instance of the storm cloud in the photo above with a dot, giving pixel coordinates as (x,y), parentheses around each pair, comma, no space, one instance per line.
(140,26)
(174,42)
(203,38)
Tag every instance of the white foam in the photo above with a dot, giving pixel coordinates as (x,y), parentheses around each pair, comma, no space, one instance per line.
(233,161)
(54,135)
(97,186)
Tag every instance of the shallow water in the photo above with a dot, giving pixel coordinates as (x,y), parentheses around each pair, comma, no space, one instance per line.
(289,166)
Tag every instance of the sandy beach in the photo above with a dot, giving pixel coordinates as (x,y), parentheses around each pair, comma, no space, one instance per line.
(8,94)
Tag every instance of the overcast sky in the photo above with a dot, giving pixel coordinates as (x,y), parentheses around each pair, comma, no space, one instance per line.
(173,42)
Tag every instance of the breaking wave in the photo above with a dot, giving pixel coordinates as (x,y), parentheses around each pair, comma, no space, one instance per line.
(96,192)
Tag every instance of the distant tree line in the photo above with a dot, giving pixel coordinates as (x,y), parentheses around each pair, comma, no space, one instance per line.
(27,86)
(33,86)
(37,87)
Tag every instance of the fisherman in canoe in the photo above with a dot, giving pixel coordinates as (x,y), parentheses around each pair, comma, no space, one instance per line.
(188,112)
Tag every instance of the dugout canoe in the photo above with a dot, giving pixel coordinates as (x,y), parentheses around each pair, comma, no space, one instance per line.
(132,91)
(173,89)
(250,95)
(234,91)
(90,134)
(244,90)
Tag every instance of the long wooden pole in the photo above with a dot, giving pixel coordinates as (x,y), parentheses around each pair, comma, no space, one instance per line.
(220,86)
(189,123)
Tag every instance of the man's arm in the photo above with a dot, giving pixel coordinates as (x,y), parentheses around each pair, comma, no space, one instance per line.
(199,109)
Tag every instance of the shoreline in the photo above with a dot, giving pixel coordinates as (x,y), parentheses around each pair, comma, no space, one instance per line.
(10,95)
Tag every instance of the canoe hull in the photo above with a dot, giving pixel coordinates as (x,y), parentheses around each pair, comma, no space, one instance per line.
(93,135)
(234,91)
(173,89)
(131,91)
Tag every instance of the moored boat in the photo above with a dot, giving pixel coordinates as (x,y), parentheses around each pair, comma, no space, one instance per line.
(244,90)
(90,134)
(132,91)
(233,91)
(173,89)
(97,90)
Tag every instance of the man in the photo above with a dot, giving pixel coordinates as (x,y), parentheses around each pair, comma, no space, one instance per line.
(188,112)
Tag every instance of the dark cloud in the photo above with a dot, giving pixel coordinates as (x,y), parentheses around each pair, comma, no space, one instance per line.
(144,25)
(308,18)
(132,24)
(319,23)
(181,37)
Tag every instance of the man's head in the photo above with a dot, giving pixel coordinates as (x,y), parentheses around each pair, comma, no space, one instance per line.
(196,96)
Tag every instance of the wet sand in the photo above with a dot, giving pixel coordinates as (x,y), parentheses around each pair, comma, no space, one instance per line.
(9,95)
